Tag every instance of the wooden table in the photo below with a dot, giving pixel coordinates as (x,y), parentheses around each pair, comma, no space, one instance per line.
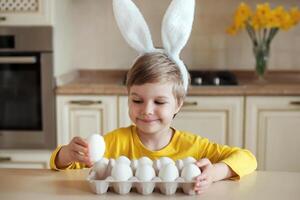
(46,184)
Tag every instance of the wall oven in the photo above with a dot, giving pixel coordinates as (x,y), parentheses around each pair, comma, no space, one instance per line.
(27,101)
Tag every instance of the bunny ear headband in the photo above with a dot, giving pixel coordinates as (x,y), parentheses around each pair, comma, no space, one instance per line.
(176,29)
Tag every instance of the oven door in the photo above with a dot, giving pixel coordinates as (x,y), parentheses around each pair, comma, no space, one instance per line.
(26,101)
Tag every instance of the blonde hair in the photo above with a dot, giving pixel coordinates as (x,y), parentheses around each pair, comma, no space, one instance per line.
(156,68)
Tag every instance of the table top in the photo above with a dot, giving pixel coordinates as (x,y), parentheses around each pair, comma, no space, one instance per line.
(72,184)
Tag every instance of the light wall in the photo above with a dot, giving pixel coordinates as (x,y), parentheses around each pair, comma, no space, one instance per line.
(86,37)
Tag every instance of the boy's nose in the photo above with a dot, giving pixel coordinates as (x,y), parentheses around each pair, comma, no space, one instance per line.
(148,109)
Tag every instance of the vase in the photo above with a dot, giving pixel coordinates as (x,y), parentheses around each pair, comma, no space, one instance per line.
(261,53)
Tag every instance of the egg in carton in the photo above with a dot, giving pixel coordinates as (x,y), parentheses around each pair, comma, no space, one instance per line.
(162,173)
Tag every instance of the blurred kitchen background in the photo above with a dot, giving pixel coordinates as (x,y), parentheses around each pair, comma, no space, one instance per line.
(87,63)
(86,36)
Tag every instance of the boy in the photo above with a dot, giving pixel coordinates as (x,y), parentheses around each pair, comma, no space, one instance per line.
(156,93)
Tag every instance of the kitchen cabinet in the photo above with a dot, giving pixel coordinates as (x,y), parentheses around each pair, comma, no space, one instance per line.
(218,118)
(273,131)
(266,125)
(85,115)
(26,12)
(34,159)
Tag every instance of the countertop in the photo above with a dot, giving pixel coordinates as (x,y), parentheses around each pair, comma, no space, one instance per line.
(71,184)
(111,82)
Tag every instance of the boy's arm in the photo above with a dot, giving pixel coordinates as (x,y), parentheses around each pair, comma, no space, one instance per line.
(239,161)
(71,156)
(54,166)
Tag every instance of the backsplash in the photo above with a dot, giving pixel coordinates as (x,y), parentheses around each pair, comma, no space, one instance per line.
(87,37)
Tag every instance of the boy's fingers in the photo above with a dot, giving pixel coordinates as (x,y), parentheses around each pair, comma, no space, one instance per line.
(80,149)
(200,188)
(203,162)
(201,177)
(80,141)
(80,157)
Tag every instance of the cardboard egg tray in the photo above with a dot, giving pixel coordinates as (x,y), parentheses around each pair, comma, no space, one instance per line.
(142,187)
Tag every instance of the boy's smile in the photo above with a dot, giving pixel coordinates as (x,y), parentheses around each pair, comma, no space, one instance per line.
(152,107)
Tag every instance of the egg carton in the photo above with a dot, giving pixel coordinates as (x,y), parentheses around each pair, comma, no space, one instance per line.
(142,187)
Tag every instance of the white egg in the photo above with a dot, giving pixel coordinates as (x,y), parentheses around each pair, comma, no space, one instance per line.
(158,164)
(168,172)
(145,160)
(123,159)
(100,168)
(96,147)
(121,172)
(145,172)
(181,163)
(190,172)
(188,160)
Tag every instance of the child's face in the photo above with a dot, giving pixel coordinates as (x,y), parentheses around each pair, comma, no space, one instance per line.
(152,107)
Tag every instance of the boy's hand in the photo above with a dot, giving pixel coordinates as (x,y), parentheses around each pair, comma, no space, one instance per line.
(204,180)
(75,151)
(211,173)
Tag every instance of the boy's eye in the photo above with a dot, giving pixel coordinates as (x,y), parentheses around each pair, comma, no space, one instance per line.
(136,101)
(159,102)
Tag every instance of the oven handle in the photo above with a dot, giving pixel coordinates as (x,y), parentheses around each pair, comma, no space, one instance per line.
(5,159)
(17,60)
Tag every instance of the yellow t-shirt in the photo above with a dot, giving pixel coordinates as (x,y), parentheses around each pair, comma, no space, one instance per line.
(125,141)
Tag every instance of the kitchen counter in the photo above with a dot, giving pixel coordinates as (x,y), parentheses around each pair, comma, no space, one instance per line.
(46,184)
(111,82)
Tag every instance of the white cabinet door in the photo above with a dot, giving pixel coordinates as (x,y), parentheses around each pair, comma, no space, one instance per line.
(219,119)
(84,115)
(273,132)
(26,12)
(33,159)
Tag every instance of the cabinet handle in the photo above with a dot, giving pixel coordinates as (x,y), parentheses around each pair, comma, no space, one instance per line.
(187,103)
(2,18)
(85,102)
(295,103)
(5,159)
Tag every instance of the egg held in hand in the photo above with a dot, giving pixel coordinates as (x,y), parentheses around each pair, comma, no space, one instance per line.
(96,147)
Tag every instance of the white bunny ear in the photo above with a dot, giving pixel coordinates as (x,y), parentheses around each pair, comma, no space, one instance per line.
(176,30)
(133,26)
(177,26)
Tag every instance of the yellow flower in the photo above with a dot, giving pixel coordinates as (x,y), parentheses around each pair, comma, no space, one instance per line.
(272,22)
(244,11)
(232,30)
(263,13)
(283,18)
(242,14)
(256,22)
(295,16)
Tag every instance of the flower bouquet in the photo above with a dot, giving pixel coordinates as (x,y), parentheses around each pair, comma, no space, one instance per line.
(262,25)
